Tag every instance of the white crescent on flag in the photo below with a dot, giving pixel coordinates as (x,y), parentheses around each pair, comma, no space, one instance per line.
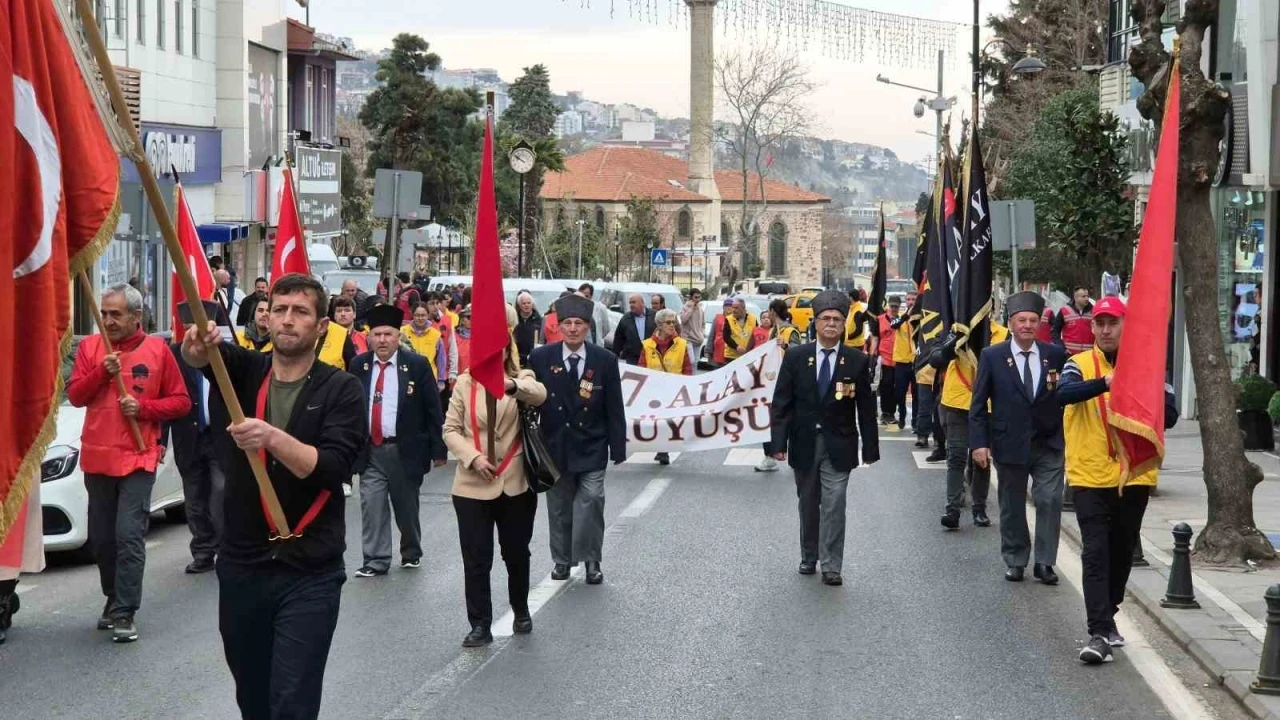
(34,127)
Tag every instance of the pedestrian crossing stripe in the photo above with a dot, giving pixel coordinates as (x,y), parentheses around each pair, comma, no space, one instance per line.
(743,457)
(648,458)
(921,455)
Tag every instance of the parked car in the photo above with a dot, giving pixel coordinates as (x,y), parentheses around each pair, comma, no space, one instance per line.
(64,503)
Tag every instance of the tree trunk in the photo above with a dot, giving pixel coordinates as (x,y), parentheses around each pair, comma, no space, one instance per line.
(1230,478)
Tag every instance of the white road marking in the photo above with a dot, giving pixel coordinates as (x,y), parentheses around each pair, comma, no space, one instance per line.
(1177,699)
(1255,626)
(23,589)
(897,438)
(744,457)
(647,458)
(154,544)
(544,591)
(921,455)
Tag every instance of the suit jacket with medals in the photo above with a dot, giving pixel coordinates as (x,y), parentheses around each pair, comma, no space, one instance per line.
(800,414)
(584,428)
(1016,421)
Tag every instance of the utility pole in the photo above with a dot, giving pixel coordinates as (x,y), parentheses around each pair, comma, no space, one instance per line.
(581,225)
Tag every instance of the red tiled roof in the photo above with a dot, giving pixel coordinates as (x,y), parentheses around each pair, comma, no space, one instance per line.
(607,174)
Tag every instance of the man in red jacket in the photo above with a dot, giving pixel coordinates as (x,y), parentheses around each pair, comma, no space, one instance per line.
(117,476)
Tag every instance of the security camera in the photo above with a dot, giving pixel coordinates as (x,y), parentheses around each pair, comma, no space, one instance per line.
(919,108)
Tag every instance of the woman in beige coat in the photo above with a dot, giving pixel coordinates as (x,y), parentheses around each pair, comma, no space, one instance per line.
(492,491)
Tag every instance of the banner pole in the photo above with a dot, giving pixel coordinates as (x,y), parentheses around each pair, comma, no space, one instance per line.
(185,278)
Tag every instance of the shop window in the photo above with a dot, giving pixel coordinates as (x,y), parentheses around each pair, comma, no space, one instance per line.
(777,249)
(1241,266)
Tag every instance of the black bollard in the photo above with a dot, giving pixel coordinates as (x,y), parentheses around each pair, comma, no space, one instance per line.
(1139,560)
(1268,680)
(1180,593)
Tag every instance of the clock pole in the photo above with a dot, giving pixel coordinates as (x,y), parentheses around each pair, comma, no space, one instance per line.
(520,245)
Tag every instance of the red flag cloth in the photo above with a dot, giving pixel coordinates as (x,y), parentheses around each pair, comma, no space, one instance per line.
(291,246)
(1137,389)
(59,181)
(193,251)
(489,337)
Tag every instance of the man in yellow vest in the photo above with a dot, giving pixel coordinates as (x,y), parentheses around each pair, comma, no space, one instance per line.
(256,336)
(739,331)
(1109,514)
(904,355)
(666,351)
(425,339)
(857,329)
(957,392)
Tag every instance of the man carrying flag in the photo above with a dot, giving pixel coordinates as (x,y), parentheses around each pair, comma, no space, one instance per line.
(1119,405)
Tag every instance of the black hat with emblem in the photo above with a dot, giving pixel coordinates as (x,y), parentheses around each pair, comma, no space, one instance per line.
(389,315)
(830,300)
(574,306)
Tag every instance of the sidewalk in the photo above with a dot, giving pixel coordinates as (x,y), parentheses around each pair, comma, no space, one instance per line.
(1225,635)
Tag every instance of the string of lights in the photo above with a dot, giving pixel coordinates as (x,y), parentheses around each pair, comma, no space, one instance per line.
(828,28)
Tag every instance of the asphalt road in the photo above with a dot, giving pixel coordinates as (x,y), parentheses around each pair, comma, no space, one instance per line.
(701,615)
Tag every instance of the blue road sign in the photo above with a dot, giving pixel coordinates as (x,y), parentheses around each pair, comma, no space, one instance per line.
(658,257)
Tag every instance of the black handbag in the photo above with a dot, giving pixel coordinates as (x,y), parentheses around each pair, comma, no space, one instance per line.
(539,467)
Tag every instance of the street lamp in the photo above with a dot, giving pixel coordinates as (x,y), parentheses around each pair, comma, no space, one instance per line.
(522,158)
(938,104)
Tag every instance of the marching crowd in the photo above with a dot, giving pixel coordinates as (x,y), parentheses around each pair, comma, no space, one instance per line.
(379,387)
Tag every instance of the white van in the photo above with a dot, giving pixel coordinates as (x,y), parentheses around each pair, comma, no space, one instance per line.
(440,283)
(322,259)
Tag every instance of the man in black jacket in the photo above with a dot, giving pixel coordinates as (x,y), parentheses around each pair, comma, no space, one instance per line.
(821,404)
(633,329)
(196,441)
(278,599)
(244,315)
(405,437)
(585,424)
(528,326)
(1022,435)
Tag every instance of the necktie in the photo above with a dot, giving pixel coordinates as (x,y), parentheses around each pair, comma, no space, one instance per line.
(573,365)
(824,374)
(375,431)
(1027,383)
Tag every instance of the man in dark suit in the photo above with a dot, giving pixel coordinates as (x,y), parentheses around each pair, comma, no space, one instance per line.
(1022,434)
(585,425)
(405,438)
(633,329)
(196,444)
(821,404)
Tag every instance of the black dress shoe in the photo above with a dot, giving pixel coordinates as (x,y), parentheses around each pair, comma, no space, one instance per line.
(560,572)
(200,565)
(1013,574)
(1045,574)
(939,455)
(922,442)
(980,518)
(523,625)
(808,568)
(478,637)
(594,575)
(951,520)
(832,578)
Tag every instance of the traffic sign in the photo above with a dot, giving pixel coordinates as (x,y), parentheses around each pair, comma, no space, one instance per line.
(658,257)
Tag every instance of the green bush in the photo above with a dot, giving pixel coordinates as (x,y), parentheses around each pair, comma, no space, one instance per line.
(1273,408)
(1254,393)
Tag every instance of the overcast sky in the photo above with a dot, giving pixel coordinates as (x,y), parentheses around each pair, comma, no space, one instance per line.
(621,59)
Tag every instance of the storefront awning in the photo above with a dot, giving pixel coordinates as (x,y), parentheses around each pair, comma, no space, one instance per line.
(222,232)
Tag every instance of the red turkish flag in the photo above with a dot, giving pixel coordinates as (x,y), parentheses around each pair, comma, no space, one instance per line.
(489,335)
(193,251)
(59,181)
(1137,389)
(291,246)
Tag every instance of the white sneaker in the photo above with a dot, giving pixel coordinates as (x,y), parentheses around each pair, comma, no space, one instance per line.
(767,465)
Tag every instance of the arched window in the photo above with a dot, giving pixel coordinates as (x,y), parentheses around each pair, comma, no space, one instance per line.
(599,218)
(684,224)
(726,233)
(777,249)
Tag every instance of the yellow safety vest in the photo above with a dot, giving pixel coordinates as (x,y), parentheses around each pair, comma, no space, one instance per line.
(787,334)
(247,344)
(957,385)
(424,344)
(671,361)
(904,347)
(1093,459)
(741,335)
(331,348)
(859,334)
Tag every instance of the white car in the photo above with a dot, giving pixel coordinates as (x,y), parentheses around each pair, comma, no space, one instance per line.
(64,503)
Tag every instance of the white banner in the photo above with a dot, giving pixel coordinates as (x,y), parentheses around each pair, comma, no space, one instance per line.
(728,407)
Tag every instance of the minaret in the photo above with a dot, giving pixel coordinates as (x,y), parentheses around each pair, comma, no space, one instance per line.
(701,106)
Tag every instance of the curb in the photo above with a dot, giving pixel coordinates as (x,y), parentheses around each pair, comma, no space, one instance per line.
(1215,640)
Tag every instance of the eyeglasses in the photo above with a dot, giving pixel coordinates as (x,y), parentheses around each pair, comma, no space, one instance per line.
(830,320)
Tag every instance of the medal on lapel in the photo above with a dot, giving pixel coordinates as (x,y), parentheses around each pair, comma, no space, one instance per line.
(1051,380)
(586,386)
(408,390)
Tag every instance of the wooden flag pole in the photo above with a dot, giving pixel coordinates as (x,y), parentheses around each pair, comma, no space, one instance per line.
(97,317)
(188,282)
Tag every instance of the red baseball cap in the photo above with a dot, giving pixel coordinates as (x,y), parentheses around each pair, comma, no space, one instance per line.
(1112,306)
